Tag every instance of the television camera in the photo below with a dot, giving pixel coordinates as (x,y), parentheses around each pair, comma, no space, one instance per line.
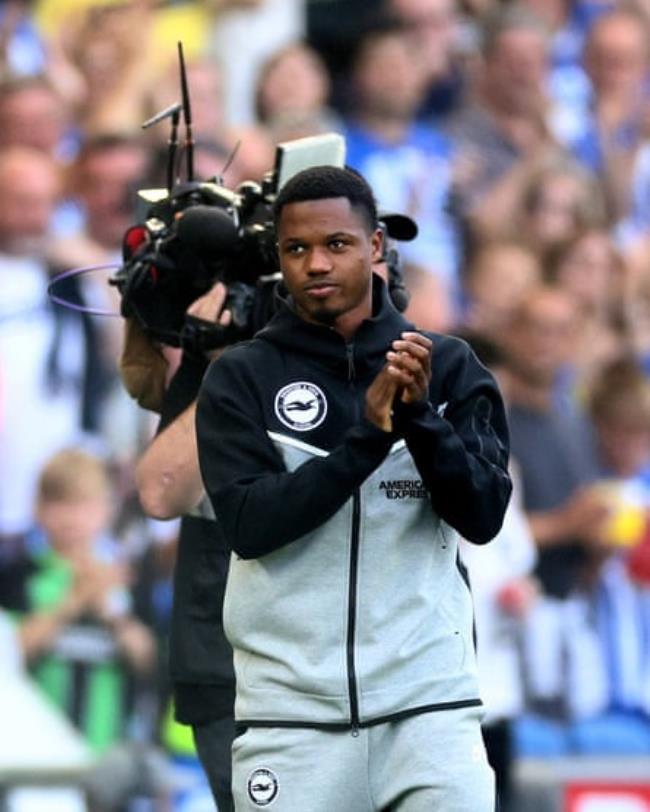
(194,233)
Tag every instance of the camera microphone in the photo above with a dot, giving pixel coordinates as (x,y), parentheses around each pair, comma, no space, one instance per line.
(208,230)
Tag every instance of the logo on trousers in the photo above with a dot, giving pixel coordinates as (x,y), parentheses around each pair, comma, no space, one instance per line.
(263,786)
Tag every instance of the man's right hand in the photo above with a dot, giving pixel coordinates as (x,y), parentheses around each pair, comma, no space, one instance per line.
(209,307)
(379,399)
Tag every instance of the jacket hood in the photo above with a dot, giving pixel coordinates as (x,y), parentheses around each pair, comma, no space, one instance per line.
(367,347)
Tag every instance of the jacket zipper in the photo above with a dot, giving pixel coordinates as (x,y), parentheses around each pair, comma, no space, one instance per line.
(352,612)
(353,572)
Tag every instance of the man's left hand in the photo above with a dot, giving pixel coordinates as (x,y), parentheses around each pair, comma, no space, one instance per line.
(409,361)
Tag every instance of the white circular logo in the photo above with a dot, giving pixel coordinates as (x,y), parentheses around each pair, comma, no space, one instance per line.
(263,786)
(301,406)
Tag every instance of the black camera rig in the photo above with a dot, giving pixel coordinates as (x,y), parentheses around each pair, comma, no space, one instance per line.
(195,233)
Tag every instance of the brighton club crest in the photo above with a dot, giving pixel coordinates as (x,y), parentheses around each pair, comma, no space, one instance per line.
(263,786)
(301,406)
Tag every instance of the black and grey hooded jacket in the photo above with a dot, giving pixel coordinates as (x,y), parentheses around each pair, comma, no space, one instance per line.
(345,603)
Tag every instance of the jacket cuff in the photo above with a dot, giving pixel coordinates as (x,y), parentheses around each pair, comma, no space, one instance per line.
(406,413)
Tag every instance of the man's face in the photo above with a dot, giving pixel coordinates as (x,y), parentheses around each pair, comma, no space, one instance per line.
(516,70)
(30,188)
(617,56)
(388,77)
(326,253)
(73,524)
(541,339)
(32,117)
(431,27)
(108,182)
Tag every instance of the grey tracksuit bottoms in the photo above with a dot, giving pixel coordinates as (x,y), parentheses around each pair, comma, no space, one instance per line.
(432,761)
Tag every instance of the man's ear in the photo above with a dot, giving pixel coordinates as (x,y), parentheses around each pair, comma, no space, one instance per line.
(377,245)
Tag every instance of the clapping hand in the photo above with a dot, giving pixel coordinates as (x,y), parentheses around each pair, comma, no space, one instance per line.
(406,374)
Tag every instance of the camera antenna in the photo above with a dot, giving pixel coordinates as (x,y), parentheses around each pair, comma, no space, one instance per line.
(187,115)
(173,111)
(231,158)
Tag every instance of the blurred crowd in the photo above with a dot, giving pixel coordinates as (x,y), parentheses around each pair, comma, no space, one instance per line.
(516,133)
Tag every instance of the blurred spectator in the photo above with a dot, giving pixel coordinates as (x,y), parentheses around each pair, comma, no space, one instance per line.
(502,134)
(76,625)
(102,182)
(430,306)
(33,114)
(333,29)
(601,630)
(588,267)
(110,46)
(49,362)
(619,403)
(568,22)
(244,34)
(495,281)
(554,449)
(433,29)
(407,163)
(637,298)
(503,592)
(101,194)
(552,445)
(615,124)
(558,199)
(292,94)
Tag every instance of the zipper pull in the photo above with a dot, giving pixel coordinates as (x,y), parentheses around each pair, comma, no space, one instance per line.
(349,351)
(355,731)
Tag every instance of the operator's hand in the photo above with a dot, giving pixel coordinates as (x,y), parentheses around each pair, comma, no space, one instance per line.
(409,364)
(209,306)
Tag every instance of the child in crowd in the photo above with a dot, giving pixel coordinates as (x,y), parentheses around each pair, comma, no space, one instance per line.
(77,628)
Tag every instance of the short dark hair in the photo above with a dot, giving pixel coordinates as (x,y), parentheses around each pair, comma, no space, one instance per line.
(321,182)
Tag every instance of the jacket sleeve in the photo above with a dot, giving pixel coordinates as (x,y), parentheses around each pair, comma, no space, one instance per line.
(461,444)
(261,505)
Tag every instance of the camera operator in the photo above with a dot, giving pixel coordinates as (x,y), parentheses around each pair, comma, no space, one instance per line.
(169,485)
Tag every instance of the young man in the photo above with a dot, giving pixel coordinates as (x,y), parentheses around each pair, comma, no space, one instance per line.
(340,460)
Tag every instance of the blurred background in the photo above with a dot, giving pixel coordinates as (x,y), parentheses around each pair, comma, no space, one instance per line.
(517,135)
